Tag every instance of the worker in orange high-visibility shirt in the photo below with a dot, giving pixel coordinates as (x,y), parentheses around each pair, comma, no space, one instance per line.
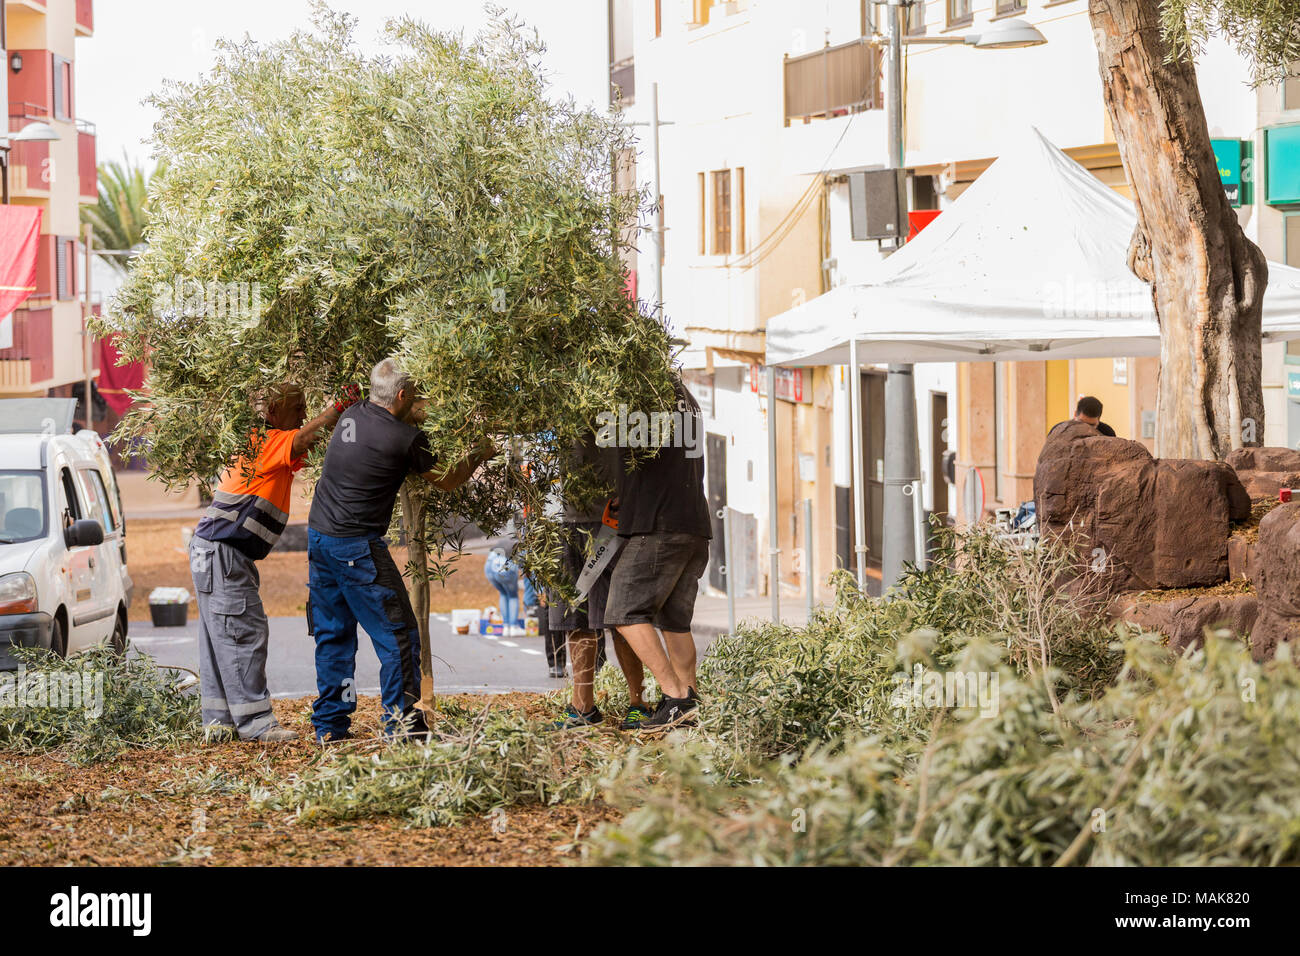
(250,508)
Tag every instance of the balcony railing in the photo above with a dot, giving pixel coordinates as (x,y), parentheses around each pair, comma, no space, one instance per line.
(85,17)
(87,172)
(30,172)
(832,81)
(31,359)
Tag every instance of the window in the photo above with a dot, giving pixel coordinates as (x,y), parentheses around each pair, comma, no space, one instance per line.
(959,13)
(97,504)
(915,20)
(65,266)
(740,209)
(659,18)
(1005,7)
(700,11)
(721,212)
(22,506)
(703,219)
(61,94)
(69,504)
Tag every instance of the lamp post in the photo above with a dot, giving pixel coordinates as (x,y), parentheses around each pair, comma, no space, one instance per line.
(902,446)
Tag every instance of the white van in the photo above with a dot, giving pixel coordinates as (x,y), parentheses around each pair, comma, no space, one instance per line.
(64,582)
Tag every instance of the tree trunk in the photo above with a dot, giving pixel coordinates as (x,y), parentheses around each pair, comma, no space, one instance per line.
(417,584)
(1208,277)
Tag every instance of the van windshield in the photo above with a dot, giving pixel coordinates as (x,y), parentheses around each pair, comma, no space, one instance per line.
(22,506)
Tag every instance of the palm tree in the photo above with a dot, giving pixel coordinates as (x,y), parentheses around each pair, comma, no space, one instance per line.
(118,220)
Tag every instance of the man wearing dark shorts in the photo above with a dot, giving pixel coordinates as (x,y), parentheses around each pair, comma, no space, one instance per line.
(664,516)
(584,624)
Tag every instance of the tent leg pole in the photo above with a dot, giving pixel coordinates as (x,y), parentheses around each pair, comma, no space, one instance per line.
(859,478)
(773,525)
(918,516)
(725,514)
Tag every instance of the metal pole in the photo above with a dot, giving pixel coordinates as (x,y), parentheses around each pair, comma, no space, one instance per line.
(725,513)
(809,577)
(859,476)
(657,229)
(894,107)
(773,525)
(87,234)
(918,520)
(902,465)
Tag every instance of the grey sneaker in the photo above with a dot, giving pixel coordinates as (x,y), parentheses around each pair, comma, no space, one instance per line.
(276,735)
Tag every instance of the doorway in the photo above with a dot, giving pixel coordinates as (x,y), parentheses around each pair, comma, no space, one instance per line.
(715,450)
(873,449)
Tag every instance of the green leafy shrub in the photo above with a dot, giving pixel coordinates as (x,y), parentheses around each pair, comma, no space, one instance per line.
(479,761)
(1185,761)
(92,706)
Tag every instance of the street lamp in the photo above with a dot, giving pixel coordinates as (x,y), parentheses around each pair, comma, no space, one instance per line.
(31,133)
(902,465)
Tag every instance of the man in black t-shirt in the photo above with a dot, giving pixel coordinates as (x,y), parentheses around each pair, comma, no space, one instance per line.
(353,578)
(663,514)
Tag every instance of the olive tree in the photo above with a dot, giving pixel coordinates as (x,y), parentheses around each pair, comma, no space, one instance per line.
(1208,278)
(324,208)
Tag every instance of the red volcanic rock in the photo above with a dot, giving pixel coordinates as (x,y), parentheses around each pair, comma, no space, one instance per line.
(1184,620)
(1146,523)
(1277,580)
(1266,471)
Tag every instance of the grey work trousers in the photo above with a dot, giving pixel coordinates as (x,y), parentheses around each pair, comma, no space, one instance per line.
(233,633)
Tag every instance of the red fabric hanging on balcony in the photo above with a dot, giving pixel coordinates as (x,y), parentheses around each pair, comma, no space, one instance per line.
(20,232)
(114,379)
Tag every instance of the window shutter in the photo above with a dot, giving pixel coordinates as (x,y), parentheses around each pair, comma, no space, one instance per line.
(61,268)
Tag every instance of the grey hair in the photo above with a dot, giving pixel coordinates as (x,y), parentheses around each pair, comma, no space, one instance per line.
(386,380)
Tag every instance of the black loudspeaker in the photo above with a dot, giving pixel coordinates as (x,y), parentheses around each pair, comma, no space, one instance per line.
(878,204)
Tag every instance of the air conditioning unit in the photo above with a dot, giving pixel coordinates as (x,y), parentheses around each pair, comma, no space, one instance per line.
(878,204)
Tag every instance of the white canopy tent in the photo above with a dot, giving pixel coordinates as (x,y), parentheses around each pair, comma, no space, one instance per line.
(1029,263)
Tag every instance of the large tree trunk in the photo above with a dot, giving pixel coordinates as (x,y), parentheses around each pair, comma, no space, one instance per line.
(417,584)
(1209,278)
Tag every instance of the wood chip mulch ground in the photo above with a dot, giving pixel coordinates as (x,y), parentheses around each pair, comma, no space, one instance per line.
(191,807)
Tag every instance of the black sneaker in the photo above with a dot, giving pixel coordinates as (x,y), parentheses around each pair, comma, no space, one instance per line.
(672,712)
(637,715)
(574,718)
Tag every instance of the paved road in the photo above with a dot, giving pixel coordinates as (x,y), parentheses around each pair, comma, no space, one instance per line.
(463,664)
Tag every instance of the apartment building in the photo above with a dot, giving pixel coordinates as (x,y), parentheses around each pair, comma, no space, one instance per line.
(741,243)
(773,106)
(46,350)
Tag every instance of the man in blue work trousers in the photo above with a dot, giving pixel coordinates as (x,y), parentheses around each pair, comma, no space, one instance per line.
(353,578)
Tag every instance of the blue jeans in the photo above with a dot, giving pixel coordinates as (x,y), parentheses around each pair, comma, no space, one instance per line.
(506,581)
(355,581)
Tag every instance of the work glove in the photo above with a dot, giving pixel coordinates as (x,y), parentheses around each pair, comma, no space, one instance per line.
(351,395)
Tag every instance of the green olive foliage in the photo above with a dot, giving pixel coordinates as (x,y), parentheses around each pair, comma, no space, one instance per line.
(322,209)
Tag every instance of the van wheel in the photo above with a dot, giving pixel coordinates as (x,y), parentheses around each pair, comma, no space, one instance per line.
(118,641)
(58,640)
